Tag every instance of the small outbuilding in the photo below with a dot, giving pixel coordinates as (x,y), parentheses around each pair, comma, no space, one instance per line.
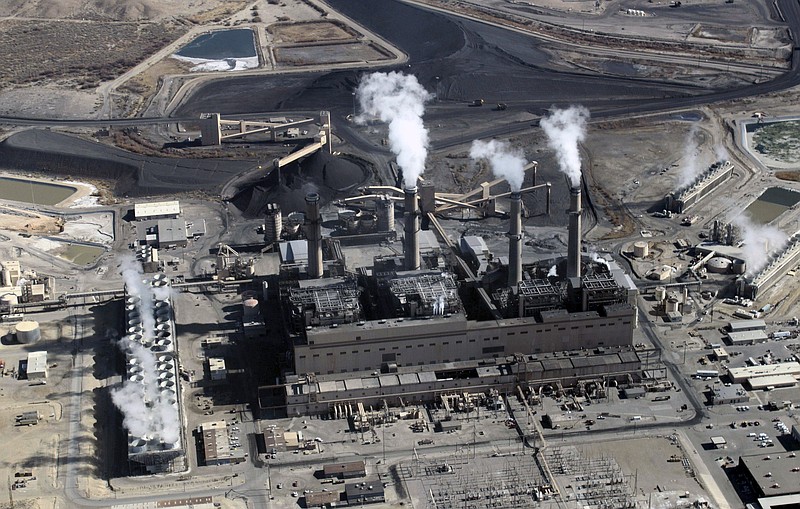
(365,493)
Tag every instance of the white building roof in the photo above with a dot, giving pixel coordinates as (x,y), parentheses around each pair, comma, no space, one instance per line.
(294,251)
(750,372)
(37,362)
(159,208)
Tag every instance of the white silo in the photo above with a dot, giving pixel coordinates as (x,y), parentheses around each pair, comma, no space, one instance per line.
(28,332)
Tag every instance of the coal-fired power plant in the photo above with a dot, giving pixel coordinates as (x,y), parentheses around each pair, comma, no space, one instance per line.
(314,235)
(574,246)
(411,247)
(515,241)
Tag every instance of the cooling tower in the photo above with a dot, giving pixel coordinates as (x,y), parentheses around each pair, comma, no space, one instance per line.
(314,234)
(515,241)
(411,247)
(574,246)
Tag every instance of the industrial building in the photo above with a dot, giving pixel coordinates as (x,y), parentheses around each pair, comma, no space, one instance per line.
(156,210)
(18,286)
(729,394)
(216,444)
(750,285)
(771,475)
(216,369)
(36,368)
(782,374)
(364,493)
(348,470)
(682,200)
(405,318)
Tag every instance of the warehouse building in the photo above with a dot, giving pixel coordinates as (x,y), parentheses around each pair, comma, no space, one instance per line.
(156,210)
(729,395)
(349,470)
(771,475)
(782,374)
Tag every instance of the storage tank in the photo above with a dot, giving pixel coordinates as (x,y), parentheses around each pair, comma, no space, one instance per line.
(672,305)
(385,211)
(8,301)
(273,223)
(660,293)
(641,249)
(28,332)
(250,310)
(719,265)
(738,266)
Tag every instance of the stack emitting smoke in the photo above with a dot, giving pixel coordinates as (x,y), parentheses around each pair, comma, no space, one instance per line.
(565,129)
(399,100)
(508,164)
(146,412)
(314,235)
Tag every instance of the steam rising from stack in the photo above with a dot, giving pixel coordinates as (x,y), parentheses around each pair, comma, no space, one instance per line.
(690,167)
(506,162)
(758,242)
(398,99)
(147,412)
(564,130)
(510,165)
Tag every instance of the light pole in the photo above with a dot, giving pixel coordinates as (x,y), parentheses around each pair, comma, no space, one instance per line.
(354,105)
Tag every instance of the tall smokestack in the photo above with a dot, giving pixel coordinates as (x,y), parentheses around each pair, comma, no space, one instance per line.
(314,235)
(515,241)
(574,246)
(411,248)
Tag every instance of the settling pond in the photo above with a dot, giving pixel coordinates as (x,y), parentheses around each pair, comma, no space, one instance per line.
(31,191)
(221,45)
(772,203)
(81,254)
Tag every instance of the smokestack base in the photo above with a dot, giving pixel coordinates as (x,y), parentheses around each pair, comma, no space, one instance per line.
(314,236)
(515,241)
(574,244)
(411,228)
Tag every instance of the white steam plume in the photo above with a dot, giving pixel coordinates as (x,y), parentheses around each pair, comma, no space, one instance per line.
(564,130)
(598,259)
(553,272)
(398,99)
(146,412)
(721,153)
(758,242)
(506,162)
(690,166)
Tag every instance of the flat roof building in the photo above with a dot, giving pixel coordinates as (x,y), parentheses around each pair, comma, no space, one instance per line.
(730,395)
(772,474)
(750,374)
(347,470)
(365,493)
(746,325)
(216,368)
(323,498)
(748,337)
(37,366)
(171,233)
(156,210)
(216,444)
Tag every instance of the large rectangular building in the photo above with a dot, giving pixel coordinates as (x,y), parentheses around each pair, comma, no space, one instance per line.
(156,210)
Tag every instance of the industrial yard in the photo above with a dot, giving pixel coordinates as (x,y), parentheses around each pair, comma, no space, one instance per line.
(290,254)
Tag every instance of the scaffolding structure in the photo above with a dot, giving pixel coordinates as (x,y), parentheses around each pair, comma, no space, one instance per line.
(538,295)
(424,295)
(595,482)
(336,303)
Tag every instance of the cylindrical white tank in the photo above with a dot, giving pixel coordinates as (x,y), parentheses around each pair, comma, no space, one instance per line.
(250,310)
(660,293)
(9,300)
(273,223)
(28,332)
(641,249)
(384,208)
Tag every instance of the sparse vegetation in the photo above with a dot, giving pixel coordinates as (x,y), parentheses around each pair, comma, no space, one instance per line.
(76,54)
(791,176)
(779,140)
